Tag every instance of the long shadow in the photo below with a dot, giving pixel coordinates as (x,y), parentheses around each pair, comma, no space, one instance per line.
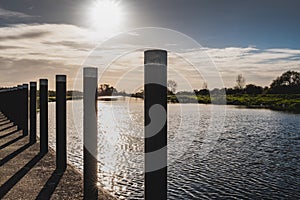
(5,128)
(4,122)
(14,154)
(3,119)
(11,142)
(50,185)
(10,183)
(9,133)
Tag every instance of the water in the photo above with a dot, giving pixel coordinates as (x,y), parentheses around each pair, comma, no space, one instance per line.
(254,154)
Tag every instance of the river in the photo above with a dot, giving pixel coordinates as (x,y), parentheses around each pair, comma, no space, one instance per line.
(214,151)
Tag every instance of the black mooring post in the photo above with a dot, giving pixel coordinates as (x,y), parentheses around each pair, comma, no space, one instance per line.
(43,116)
(25,107)
(32,138)
(155,76)
(90,169)
(17,99)
(61,120)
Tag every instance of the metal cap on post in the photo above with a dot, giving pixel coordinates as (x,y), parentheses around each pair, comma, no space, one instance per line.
(61,120)
(33,89)
(90,169)
(43,116)
(155,124)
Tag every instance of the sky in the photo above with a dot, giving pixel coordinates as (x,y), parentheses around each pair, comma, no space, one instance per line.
(257,38)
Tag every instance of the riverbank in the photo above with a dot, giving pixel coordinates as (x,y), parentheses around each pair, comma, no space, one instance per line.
(26,174)
(280,102)
(288,103)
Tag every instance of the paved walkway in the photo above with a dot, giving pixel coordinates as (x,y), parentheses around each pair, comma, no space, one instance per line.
(26,174)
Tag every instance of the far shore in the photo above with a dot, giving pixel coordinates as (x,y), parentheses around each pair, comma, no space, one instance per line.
(279,102)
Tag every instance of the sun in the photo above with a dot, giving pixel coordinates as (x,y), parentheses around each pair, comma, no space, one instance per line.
(106,16)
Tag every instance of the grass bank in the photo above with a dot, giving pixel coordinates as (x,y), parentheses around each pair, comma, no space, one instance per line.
(281,102)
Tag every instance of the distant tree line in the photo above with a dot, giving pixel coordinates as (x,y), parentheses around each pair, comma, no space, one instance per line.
(108,90)
(287,83)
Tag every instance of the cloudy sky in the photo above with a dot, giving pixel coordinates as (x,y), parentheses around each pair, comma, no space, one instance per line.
(41,38)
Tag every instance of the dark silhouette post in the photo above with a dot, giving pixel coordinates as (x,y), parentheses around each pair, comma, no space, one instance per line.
(15,113)
(32,112)
(90,79)
(61,120)
(43,116)
(25,107)
(17,94)
(155,108)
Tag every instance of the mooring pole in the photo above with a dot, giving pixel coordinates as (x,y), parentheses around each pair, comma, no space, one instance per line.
(90,85)
(61,120)
(32,139)
(17,111)
(155,108)
(25,102)
(43,116)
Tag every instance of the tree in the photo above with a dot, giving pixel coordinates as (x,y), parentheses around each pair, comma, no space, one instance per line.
(139,94)
(240,82)
(106,90)
(287,83)
(289,78)
(253,89)
(172,86)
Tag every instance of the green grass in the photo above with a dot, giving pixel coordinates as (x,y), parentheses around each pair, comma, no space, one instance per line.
(282,102)
(289,103)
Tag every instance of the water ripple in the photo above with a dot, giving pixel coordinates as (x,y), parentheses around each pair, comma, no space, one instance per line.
(257,155)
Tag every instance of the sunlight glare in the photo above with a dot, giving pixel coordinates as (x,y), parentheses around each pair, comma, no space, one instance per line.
(106,16)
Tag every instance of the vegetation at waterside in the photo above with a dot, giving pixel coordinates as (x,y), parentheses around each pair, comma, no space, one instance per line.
(282,102)
(283,94)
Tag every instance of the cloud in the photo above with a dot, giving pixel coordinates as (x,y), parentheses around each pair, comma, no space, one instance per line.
(72,44)
(3,47)
(13,14)
(28,35)
(46,41)
(259,66)
(33,51)
(8,17)
(19,70)
(133,33)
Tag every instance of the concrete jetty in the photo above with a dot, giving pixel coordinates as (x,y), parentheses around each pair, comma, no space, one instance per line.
(25,173)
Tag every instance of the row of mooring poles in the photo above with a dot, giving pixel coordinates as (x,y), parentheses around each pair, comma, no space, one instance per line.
(14,105)
(155,108)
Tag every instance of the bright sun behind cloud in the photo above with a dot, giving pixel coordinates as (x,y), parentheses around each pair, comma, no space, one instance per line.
(106,16)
